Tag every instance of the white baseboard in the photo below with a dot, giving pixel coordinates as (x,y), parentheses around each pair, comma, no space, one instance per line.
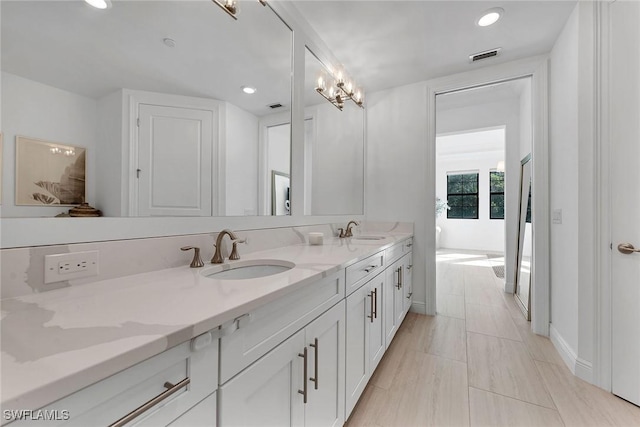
(581,368)
(418,307)
(509,287)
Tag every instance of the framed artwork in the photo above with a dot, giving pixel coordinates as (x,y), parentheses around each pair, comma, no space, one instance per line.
(49,173)
(280,203)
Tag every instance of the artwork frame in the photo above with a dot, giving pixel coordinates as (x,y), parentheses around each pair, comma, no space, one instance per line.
(49,173)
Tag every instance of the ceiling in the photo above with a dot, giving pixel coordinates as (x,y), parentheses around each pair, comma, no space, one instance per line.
(505,91)
(73,46)
(383,44)
(471,143)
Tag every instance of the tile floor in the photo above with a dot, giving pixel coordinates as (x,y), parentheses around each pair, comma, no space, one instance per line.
(477,363)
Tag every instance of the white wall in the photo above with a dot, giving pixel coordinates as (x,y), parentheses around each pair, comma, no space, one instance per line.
(396,168)
(477,234)
(337,178)
(241,172)
(39,111)
(490,115)
(563,153)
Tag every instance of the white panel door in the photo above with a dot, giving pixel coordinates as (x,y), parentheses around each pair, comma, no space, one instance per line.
(174,161)
(388,303)
(266,393)
(625,196)
(325,341)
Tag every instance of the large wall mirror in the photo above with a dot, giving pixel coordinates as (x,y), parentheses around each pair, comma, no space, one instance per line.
(148,102)
(525,241)
(334,150)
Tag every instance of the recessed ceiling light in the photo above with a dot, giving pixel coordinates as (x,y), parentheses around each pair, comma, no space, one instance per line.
(490,17)
(248,89)
(99,4)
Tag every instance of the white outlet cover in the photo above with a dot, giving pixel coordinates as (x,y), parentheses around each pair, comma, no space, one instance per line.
(52,273)
(556,216)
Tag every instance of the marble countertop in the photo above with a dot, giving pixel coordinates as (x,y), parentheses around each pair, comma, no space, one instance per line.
(58,342)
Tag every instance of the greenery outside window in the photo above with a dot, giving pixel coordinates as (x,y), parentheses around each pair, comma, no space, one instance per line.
(496,195)
(462,195)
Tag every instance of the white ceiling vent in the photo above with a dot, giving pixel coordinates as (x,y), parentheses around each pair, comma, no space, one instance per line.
(485,55)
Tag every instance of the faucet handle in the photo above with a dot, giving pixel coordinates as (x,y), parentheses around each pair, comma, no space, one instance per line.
(234,251)
(341,235)
(197,261)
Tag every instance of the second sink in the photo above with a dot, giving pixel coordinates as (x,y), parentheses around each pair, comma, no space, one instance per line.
(249,269)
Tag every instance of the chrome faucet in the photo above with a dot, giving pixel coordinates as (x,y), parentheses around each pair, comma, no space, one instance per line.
(348,233)
(217,256)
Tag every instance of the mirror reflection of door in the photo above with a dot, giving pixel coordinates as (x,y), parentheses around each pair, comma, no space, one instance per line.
(525,241)
(276,159)
(280,193)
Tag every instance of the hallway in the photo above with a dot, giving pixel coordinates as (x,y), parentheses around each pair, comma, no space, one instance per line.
(477,363)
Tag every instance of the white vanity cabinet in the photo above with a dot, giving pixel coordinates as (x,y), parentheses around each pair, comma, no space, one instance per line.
(365,337)
(152,393)
(298,383)
(398,294)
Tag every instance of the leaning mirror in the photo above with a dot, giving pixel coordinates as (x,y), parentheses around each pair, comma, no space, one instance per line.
(334,149)
(146,108)
(525,241)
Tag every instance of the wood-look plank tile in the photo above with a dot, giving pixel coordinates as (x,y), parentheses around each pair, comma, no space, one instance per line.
(582,404)
(450,305)
(540,348)
(491,320)
(504,366)
(449,279)
(428,391)
(490,409)
(483,295)
(446,337)
(365,414)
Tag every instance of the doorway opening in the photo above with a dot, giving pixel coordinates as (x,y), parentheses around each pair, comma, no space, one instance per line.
(482,134)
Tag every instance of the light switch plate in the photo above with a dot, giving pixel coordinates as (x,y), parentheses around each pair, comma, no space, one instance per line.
(75,265)
(556,216)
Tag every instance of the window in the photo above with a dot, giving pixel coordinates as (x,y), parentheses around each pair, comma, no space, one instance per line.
(462,195)
(496,195)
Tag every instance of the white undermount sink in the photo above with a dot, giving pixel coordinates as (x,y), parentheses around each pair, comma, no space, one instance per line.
(249,269)
(369,238)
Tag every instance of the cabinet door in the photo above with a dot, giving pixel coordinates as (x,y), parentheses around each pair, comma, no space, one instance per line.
(359,310)
(388,304)
(325,341)
(377,343)
(407,281)
(266,393)
(174,161)
(201,415)
(398,289)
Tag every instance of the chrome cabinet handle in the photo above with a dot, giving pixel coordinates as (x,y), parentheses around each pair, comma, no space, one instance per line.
(409,295)
(315,367)
(375,302)
(171,389)
(409,266)
(399,271)
(371,307)
(409,245)
(303,392)
(627,248)
(370,268)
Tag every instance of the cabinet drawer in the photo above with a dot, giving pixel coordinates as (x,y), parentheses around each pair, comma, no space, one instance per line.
(360,272)
(193,375)
(271,324)
(397,250)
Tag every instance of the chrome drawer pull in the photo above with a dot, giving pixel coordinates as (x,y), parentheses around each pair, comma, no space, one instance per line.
(315,348)
(171,389)
(303,392)
(371,295)
(370,268)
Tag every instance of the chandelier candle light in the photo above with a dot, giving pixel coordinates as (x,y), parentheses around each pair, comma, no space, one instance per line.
(339,91)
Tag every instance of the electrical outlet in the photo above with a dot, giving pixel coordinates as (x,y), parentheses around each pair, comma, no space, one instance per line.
(556,216)
(69,266)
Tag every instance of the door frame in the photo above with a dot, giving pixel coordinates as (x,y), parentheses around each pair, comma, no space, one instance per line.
(537,68)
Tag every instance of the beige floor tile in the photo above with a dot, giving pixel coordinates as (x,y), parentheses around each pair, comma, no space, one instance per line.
(490,320)
(428,391)
(504,366)
(366,413)
(540,348)
(449,279)
(582,404)
(450,305)
(490,409)
(483,295)
(447,337)
(516,313)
